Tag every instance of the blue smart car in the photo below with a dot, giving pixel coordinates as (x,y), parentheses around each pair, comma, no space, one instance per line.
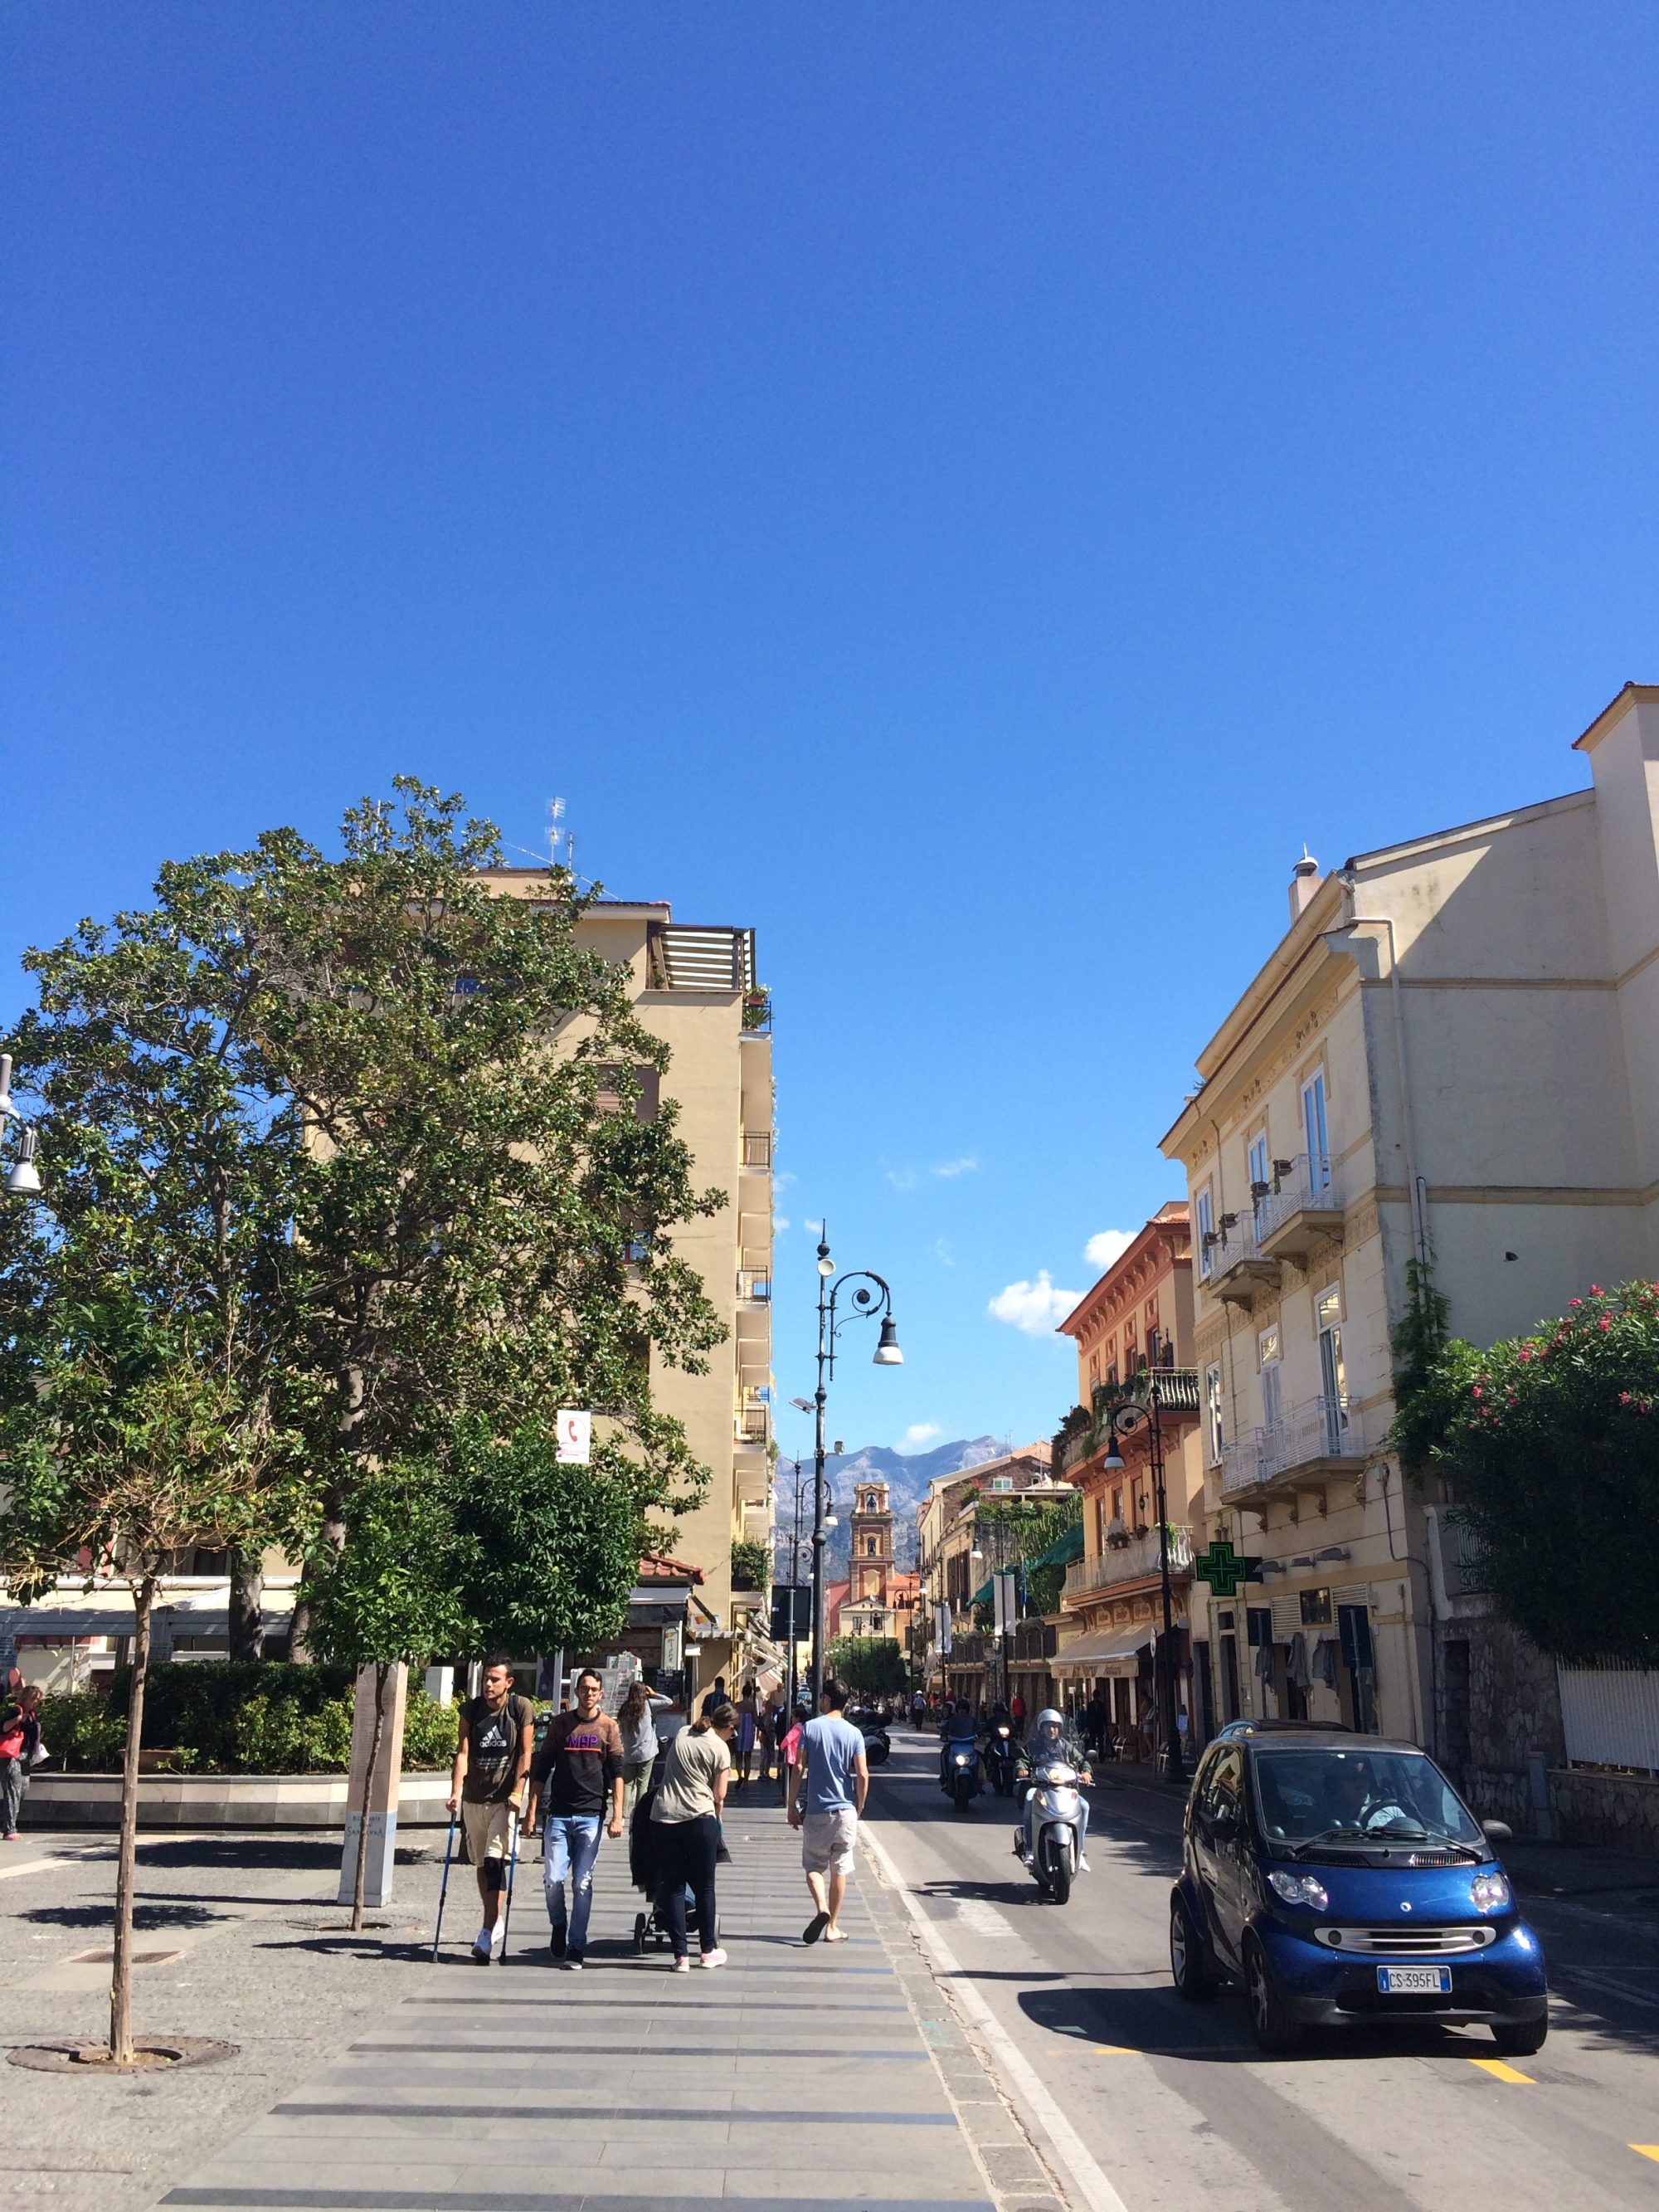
(1342,1880)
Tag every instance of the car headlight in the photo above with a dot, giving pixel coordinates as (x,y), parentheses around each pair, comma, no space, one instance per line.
(1300,1889)
(1491,1892)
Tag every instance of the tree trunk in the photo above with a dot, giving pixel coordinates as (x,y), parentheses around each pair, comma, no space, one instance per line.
(247,1588)
(382,1675)
(120,1987)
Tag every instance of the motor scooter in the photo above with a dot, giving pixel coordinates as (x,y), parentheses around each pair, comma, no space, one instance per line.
(1050,1836)
(962,1772)
(999,1765)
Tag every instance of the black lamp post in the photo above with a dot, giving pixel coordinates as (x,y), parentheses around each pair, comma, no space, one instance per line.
(870,1301)
(1124,1420)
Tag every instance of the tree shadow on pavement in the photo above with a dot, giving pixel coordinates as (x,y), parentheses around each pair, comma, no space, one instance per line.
(144,1914)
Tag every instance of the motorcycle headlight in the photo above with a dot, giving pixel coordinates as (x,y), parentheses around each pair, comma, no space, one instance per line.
(964,1759)
(1299,1888)
(1491,1892)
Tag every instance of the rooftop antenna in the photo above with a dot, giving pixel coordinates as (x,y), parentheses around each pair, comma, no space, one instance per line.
(554,815)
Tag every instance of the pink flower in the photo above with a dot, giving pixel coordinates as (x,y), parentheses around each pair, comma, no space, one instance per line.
(1476,1392)
(1624,1397)
(1526,1353)
(1594,1291)
(1604,1323)
(1575,1302)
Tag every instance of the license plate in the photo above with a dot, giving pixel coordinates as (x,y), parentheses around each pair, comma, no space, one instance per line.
(1415,1981)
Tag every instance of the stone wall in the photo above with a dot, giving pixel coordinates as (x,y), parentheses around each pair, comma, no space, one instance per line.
(1498,1739)
(1620,1812)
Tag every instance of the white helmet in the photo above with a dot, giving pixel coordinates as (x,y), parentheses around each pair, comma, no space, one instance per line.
(1049,1719)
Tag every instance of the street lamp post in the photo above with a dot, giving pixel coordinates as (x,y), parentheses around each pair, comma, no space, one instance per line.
(24,1179)
(871,1301)
(1124,1420)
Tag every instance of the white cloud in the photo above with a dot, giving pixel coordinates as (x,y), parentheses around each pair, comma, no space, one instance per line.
(817,1227)
(780,1222)
(1034,1307)
(918,1433)
(1110,1244)
(903,1178)
(948,1168)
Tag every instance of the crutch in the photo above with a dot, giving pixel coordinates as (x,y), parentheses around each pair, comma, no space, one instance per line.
(512,1869)
(443,1889)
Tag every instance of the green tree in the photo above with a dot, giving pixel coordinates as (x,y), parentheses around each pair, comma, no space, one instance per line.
(872,1664)
(1550,1444)
(127,1443)
(751,1564)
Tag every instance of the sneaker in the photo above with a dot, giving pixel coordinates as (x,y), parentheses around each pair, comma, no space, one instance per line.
(712,1959)
(12,1836)
(1083,1862)
(682,1965)
(572,1962)
(480,1954)
(497,1939)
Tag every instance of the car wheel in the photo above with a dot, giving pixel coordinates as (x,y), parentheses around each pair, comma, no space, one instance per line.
(1190,1963)
(1521,2042)
(1276,2032)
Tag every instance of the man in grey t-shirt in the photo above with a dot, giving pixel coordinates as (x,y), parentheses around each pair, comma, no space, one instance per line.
(834,1783)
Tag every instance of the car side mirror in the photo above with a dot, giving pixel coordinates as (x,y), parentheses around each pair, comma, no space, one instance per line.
(1498,1832)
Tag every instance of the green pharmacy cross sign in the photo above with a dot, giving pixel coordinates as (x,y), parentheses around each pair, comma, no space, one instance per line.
(1223,1569)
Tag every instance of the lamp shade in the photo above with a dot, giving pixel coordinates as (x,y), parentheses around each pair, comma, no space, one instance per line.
(24,1181)
(887,1352)
(1112,1462)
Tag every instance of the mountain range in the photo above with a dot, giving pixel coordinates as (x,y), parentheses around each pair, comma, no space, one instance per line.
(906,1475)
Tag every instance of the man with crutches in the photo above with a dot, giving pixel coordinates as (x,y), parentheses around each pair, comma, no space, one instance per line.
(496,1737)
(578,1770)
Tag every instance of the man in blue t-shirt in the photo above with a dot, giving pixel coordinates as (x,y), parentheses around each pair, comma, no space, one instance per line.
(835,1781)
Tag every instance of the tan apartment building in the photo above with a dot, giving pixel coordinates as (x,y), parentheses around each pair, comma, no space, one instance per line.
(952,1564)
(696,988)
(1448,1058)
(1134,1330)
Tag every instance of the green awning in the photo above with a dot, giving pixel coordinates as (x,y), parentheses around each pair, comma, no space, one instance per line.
(1064,1552)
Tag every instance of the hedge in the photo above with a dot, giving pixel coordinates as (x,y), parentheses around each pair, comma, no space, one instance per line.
(238,1718)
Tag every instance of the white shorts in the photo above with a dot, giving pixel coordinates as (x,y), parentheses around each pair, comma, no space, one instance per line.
(827,1841)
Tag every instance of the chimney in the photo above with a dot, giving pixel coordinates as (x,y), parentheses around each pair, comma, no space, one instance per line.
(1304,881)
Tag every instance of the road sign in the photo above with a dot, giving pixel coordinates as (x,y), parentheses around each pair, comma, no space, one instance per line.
(575,1437)
(792,1612)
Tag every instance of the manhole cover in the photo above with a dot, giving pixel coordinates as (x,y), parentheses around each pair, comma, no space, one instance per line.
(107,1958)
(151,2053)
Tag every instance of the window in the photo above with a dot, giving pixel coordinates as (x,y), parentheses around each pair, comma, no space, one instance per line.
(1215,1433)
(1094,1371)
(1205,1220)
(1315,1609)
(1333,1374)
(1256,1158)
(1269,1353)
(869,1548)
(1314,1129)
(1002,1482)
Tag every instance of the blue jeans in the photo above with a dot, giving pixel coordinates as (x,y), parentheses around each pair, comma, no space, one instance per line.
(570,1844)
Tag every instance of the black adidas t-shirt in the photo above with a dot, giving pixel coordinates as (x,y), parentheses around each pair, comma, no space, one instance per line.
(492,1748)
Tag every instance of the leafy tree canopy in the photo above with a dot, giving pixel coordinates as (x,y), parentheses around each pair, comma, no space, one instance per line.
(872,1664)
(1551,1445)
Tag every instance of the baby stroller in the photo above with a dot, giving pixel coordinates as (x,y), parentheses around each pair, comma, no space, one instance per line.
(644,1872)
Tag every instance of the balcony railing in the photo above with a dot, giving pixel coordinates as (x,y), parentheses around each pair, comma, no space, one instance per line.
(1310,1436)
(757,1149)
(1304,1204)
(754,1424)
(1128,1563)
(1178,1393)
(755,1285)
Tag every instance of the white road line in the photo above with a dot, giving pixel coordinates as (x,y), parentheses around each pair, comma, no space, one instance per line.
(1092,2185)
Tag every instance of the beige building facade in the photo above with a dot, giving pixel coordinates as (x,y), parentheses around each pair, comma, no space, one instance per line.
(1448,1060)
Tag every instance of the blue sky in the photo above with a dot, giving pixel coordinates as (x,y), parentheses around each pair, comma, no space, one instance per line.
(967,488)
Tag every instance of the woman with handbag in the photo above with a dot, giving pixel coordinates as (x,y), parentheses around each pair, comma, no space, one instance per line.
(685,1817)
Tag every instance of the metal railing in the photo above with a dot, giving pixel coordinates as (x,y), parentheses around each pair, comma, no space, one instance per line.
(1236,1240)
(757,1148)
(755,1425)
(1310,1188)
(755,1285)
(1128,1563)
(1322,1429)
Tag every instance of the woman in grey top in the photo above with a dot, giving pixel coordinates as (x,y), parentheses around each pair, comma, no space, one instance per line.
(636,1724)
(686,1827)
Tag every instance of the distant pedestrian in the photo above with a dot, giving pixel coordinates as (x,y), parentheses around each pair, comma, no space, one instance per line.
(835,1781)
(20,1740)
(636,1724)
(747,1731)
(789,1751)
(495,1733)
(1094,1723)
(714,1696)
(577,1775)
(1017,1713)
(685,1816)
(771,1728)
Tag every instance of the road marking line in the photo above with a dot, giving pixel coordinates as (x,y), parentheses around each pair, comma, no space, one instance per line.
(1500,2071)
(1092,2184)
(1646,2150)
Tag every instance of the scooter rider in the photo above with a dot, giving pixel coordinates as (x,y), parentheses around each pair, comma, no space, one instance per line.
(960,1727)
(1049,1741)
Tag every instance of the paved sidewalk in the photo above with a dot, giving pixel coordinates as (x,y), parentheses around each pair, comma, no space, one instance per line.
(836,2075)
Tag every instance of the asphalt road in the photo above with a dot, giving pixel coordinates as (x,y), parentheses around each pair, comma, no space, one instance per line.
(1170,2099)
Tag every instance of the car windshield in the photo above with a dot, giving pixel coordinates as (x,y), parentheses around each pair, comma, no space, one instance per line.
(1306,1796)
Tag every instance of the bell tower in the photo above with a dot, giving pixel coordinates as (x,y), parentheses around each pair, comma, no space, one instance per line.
(872,1561)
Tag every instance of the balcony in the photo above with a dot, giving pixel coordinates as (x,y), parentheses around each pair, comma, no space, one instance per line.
(754,1426)
(684,959)
(757,1150)
(754,1286)
(1178,1392)
(1303,1208)
(1313,1444)
(1239,1273)
(1135,1561)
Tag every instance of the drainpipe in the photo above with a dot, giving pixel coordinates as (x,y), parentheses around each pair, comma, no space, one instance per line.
(1416,1191)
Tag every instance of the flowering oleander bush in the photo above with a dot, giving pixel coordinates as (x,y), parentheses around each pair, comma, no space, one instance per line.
(1551,1445)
